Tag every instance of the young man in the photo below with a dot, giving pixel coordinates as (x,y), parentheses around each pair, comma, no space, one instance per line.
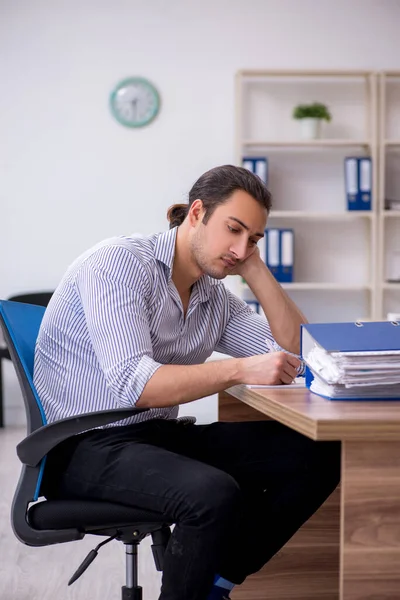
(132,323)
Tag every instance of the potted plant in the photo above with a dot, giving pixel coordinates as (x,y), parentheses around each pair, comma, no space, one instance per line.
(310,117)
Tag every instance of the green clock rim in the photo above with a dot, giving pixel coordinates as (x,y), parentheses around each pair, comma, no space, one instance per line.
(150,86)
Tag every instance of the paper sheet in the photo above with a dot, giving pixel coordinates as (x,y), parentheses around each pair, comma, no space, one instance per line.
(299,382)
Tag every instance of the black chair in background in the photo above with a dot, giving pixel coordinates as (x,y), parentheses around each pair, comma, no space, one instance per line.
(37,521)
(39,298)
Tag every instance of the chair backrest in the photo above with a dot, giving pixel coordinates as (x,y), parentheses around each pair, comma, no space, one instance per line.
(21,323)
(40,298)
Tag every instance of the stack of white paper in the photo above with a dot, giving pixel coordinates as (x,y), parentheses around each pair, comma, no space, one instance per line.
(367,374)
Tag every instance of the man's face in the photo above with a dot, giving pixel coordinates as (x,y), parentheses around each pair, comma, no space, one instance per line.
(230,235)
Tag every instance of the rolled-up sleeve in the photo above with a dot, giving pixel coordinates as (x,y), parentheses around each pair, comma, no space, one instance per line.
(113,286)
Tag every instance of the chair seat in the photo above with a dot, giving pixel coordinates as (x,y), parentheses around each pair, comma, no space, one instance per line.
(85,515)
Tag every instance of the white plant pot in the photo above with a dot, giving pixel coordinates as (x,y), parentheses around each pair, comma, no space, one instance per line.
(310,129)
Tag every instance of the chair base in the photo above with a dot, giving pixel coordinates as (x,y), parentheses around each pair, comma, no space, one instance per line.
(132,593)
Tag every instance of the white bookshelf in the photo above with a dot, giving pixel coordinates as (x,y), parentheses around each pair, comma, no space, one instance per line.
(322,143)
(326,287)
(389,188)
(322,216)
(335,271)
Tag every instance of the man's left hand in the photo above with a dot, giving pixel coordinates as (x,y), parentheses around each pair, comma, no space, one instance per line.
(251,264)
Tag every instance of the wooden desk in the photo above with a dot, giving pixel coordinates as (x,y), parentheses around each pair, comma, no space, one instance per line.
(350,549)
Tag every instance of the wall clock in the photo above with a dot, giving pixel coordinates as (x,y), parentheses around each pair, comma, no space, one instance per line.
(135,102)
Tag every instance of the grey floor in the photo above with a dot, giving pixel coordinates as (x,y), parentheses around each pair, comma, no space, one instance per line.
(42,573)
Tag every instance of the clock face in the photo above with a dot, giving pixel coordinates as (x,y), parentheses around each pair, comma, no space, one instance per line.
(135,102)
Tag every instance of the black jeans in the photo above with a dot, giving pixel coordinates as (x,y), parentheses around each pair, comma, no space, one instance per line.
(236,491)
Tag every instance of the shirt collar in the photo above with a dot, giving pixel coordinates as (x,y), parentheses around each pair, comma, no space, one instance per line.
(164,251)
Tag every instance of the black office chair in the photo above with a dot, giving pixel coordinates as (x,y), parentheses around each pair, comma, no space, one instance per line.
(37,521)
(40,298)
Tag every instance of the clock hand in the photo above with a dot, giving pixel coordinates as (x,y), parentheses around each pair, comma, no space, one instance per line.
(134,105)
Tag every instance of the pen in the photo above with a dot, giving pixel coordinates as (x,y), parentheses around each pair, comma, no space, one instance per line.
(272,346)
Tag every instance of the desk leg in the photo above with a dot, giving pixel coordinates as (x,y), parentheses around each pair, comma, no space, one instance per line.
(370,521)
(307,567)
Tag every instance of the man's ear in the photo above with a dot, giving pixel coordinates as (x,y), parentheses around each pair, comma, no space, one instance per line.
(196,212)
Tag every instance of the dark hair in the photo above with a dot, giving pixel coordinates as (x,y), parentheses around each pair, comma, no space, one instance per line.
(215,187)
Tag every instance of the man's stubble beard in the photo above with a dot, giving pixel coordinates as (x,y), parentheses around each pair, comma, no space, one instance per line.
(200,258)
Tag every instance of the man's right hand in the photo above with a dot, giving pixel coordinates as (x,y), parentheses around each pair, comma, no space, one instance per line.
(176,384)
(273,368)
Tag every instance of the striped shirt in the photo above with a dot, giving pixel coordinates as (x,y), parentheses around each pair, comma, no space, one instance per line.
(116,317)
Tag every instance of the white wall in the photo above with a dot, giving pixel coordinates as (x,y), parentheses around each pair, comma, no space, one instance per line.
(70,175)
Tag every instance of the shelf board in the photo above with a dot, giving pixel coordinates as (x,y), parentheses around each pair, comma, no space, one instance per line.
(391,73)
(325,286)
(390,286)
(321,216)
(302,73)
(390,143)
(390,213)
(320,143)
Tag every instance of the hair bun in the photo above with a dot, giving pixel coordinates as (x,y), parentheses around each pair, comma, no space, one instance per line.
(177,214)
